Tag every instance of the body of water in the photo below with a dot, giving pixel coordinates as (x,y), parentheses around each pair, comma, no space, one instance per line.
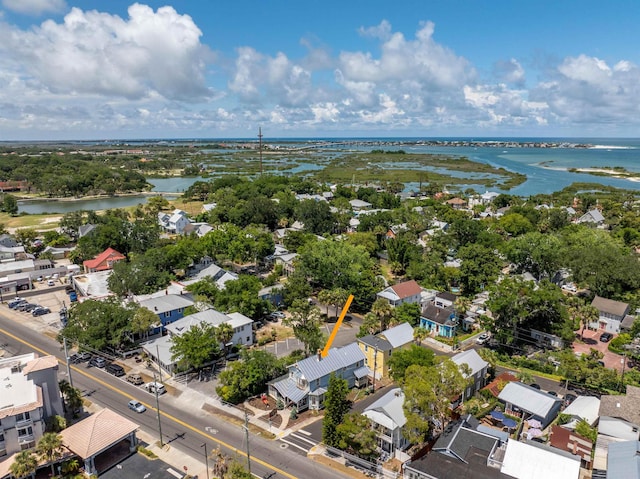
(545,168)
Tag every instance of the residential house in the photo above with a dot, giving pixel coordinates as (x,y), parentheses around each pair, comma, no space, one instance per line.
(389,420)
(159,349)
(530,403)
(274,294)
(378,349)
(30,395)
(405,292)
(8,241)
(623,460)
(439,321)
(585,408)
(461,451)
(85,230)
(305,386)
(532,460)
(499,382)
(478,371)
(620,415)
(395,230)
(208,207)
(573,443)
(169,308)
(210,271)
(445,299)
(104,261)
(457,203)
(610,314)
(359,205)
(11,252)
(592,216)
(174,223)
(546,340)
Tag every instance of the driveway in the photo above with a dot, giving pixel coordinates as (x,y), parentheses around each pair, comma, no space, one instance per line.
(591,340)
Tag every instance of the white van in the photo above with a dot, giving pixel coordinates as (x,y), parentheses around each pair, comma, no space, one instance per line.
(155,387)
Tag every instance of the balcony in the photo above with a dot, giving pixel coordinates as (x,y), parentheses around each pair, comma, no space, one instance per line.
(26,438)
(24,422)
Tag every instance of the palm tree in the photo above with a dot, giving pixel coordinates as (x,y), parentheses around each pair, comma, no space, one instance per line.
(64,387)
(224,334)
(325,297)
(50,448)
(220,464)
(24,464)
(74,400)
(420,334)
(383,311)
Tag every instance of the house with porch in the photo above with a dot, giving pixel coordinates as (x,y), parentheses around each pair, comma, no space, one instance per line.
(405,292)
(610,314)
(530,403)
(439,321)
(306,383)
(388,419)
(174,223)
(378,349)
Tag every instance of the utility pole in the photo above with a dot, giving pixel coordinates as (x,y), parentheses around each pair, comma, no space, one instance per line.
(206,458)
(158,409)
(246,433)
(66,357)
(260,137)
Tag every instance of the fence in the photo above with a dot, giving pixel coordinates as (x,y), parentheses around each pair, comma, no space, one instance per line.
(369,468)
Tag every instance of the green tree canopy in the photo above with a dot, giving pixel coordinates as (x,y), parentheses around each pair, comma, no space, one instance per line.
(196,347)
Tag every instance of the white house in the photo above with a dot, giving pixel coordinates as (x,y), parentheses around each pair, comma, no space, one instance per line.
(583,407)
(173,223)
(592,216)
(388,420)
(610,314)
(478,371)
(405,292)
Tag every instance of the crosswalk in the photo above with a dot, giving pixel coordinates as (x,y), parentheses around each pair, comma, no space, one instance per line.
(300,440)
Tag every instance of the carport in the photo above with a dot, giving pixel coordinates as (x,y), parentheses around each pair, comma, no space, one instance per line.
(105,434)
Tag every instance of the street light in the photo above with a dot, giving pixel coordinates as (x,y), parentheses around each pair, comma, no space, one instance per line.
(206,458)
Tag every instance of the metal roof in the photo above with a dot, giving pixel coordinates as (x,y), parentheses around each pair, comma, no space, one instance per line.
(166,303)
(623,460)
(288,389)
(529,399)
(398,335)
(314,367)
(472,359)
(387,410)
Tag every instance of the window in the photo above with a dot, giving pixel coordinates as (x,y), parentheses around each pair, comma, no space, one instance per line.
(28,445)
(1,437)
(3,452)
(167,314)
(23,416)
(25,431)
(248,339)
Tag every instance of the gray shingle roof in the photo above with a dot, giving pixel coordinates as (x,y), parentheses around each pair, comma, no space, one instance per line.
(376,342)
(313,368)
(624,407)
(617,308)
(166,303)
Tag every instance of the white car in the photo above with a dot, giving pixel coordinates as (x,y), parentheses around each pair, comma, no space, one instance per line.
(570,287)
(483,338)
(137,406)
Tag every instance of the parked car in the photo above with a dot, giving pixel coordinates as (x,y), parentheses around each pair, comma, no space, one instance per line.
(98,362)
(115,369)
(74,358)
(135,378)
(155,387)
(483,338)
(31,307)
(569,398)
(552,393)
(14,303)
(73,296)
(535,386)
(570,287)
(606,337)
(51,282)
(84,356)
(40,311)
(137,406)
(23,306)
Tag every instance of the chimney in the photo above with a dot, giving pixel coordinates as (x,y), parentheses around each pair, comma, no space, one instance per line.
(319,355)
(156,308)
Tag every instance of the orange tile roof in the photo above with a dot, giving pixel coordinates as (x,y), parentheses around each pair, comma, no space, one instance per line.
(406,289)
(495,386)
(97,433)
(109,253)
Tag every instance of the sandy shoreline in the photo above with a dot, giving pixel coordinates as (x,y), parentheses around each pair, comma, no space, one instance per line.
(64,199)
(605,171)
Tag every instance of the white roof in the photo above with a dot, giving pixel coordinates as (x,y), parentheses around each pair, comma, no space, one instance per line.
(11,266)
(526,461)
(387,411)
(472,359)
(530,399)
(584,407)
(17,389)
(359,203)
(209,316)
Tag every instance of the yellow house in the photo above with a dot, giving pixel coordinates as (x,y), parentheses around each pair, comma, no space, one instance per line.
(378,349)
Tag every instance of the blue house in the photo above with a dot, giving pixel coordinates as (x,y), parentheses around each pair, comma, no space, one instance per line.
(307,381)
(439,321)
(168,307)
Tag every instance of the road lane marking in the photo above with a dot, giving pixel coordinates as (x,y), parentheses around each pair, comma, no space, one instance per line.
(168,416)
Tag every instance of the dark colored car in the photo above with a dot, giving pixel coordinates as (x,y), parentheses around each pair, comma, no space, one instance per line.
(31,307)
(14,303)
(535,386)
(84,356)
(606,337)
(115,369)
(552,393)
(26,307)
(40,311)
(569,398)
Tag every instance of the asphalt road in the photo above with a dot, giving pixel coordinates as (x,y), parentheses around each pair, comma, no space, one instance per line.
(182,427)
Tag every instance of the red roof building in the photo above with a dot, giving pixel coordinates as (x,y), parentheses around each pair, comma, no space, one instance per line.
(104,261)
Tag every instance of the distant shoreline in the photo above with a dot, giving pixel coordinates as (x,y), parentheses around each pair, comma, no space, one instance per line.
(66,199)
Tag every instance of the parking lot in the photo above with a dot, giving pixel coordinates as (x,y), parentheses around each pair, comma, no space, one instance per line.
(53,297)
(591,340)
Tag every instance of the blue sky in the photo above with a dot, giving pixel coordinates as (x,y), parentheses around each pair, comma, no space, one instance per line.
(217,69)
